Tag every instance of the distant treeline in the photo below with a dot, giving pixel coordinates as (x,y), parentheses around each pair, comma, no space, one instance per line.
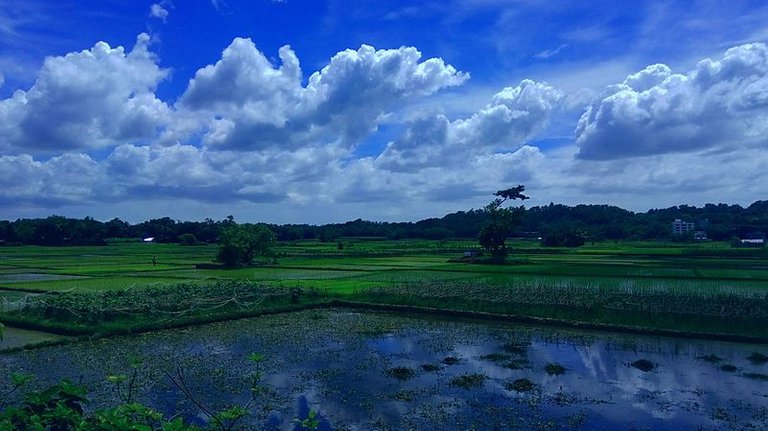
(592,222)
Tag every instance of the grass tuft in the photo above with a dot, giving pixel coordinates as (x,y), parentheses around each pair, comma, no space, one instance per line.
(554,369)
(469,381)
(520,385)
(401,373)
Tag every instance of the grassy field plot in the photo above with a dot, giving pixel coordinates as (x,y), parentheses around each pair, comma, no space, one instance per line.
(645,285)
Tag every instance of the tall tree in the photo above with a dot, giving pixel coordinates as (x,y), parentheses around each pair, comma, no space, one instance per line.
(493,236)
(241,243)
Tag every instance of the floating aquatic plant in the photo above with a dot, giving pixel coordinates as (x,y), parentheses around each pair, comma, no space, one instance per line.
(401,373)
(469,381)
(520,385)
(431,367)
(643,365)
(554,369)
(450,360)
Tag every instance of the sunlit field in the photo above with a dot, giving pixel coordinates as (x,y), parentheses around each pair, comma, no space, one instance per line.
(707,288)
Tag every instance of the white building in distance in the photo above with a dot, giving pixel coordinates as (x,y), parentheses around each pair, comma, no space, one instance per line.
(680,227)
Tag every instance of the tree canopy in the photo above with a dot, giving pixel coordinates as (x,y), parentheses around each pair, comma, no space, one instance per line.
(596,222)
(242,243)
(493,236)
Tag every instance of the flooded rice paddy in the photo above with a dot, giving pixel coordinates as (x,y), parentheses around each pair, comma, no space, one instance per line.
(16,337)
(31,276)
(371,370)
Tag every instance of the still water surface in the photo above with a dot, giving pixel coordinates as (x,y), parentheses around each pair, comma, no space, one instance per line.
(363,370)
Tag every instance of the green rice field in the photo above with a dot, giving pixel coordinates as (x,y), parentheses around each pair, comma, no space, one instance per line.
(668,286)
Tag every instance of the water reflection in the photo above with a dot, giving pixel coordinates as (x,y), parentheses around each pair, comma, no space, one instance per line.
(375,370)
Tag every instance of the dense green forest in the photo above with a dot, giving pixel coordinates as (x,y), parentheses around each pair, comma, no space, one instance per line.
(591,222)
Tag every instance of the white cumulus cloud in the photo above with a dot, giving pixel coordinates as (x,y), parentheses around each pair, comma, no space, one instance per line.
(719,104)
(514,115)
(95,98)
(247,103)
(69,178)
(158,11)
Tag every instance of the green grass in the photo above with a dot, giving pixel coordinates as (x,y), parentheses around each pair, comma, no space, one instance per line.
(646,284)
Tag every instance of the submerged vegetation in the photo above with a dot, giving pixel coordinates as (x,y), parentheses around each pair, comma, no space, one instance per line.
(643,365)
(469,381)
(318,364)
(554,369)
(401,373)
(520,385)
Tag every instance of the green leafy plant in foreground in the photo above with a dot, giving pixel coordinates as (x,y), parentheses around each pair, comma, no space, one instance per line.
(118,380)
(61,408)
(228,418)
(311,423)
(18,380)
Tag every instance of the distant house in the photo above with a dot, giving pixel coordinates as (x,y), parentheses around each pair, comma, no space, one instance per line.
(680,227)
(149,239)
(699,235)
(753,239)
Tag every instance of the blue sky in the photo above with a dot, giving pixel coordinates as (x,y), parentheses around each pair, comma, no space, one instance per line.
(322,111)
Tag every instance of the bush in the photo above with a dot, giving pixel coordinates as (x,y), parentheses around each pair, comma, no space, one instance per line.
(229,255)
